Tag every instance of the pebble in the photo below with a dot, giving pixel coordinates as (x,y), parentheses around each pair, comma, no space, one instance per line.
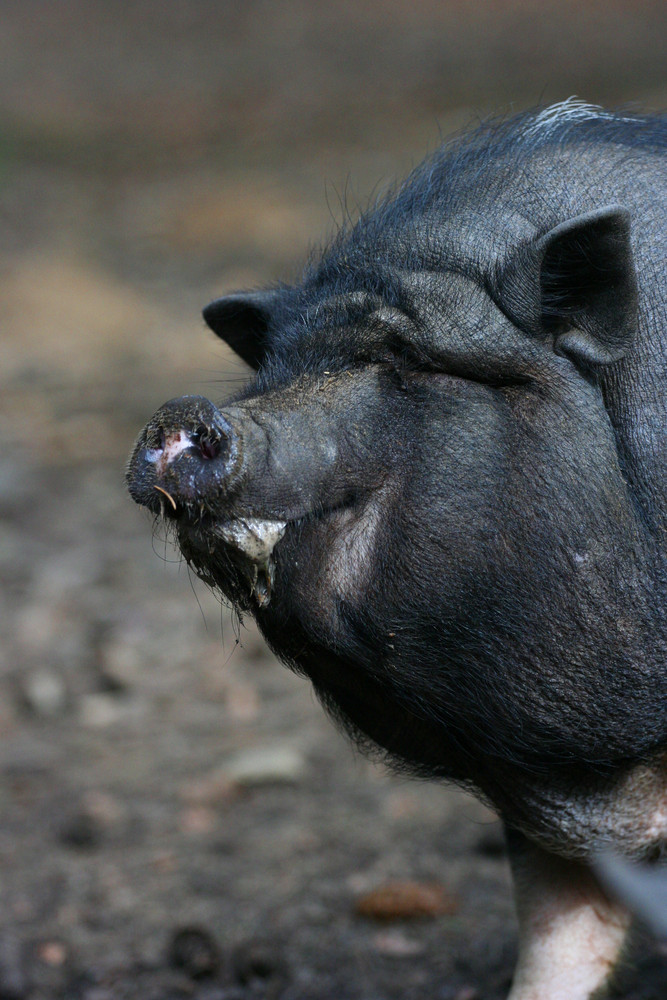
(120,665)
(52,953)
(394,944)
(214,788)
(193,950)
(80,831)
(406,901)
(44,692)
(50,965)
(101,710)
(198,820)
(274,765)
(98,710)
(91,821)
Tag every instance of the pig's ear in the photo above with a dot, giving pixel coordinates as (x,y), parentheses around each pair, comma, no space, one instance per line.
(577,285)
(242,320)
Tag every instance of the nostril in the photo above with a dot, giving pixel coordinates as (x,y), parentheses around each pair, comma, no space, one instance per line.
(155,438)
(208,441)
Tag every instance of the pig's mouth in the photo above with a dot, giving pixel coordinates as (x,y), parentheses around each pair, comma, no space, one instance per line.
(238,555)
(243,546)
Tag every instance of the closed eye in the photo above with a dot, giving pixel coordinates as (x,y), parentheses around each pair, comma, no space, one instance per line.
(403,356)
(403,359)
(410,357)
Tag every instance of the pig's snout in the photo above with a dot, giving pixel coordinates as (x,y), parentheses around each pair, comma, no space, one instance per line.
(186,455)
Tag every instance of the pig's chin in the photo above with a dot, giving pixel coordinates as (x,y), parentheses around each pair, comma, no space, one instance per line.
(236,556)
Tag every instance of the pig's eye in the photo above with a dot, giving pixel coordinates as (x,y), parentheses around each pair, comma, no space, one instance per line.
(408,358)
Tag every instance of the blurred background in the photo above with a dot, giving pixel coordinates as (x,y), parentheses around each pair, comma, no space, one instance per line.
(178,818)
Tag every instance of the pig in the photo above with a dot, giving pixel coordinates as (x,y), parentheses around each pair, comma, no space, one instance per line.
(641,887)
(442,497)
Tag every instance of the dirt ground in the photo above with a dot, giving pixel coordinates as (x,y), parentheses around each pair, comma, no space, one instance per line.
(178,817)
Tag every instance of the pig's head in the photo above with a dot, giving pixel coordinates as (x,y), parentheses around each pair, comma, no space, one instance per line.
(419,496)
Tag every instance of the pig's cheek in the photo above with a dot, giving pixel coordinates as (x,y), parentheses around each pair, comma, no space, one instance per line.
(336,560)
(350,567)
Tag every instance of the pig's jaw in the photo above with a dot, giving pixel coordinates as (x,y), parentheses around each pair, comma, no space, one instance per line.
(251,541)
(255,540)
(234,548)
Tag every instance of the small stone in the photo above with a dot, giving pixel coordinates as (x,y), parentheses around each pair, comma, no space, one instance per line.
(44,693)
(91,821)
(275,765)
(106,809)
(197,820)
(214,788)
(406,901)
(164,862)
(394,944)
(80,831)
(52,953)
(49,962)
(193,950)
(100,710)
(120,665)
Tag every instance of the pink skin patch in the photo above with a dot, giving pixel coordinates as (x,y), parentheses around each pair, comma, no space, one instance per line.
(570,933)
(174,444)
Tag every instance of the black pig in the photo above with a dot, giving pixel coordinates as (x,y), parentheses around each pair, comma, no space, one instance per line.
(443,496)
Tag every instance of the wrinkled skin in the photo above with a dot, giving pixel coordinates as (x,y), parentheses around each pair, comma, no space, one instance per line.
(442,497)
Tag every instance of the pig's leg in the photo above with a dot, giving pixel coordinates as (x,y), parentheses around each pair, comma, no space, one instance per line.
(570,934)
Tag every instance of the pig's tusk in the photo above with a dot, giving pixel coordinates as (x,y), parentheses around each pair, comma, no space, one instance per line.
(168,496)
